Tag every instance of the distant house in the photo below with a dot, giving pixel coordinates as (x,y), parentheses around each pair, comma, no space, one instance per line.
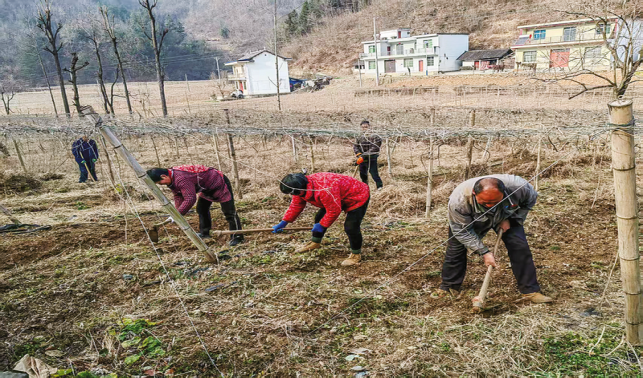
(571,45)
(486,59)
(255,74)
(399,53)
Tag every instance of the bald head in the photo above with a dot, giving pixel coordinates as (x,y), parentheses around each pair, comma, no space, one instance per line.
(489,191)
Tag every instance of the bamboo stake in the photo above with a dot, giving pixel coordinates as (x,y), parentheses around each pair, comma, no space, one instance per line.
(388,157)
(624,168)
(216,149)
(294,149)
(312,155)
(472,118)
(536,181)
(22,162)
(120,149)
(156,151)
(429,184)
(233,155)
(467,173)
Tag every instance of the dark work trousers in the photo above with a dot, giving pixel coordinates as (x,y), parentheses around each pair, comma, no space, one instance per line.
(228,209)
(522,262)
(83,170)
(370,165)
(352,225)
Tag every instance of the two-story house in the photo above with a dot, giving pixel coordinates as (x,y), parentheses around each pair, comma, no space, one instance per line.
(255,74)
(400,53)
(568,45)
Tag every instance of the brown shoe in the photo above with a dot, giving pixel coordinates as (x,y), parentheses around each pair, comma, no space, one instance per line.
(440,293)
(308,247)
(352,259)
(536,298)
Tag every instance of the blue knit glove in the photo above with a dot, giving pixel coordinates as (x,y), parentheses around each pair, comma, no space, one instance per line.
(279,227)
(318,228)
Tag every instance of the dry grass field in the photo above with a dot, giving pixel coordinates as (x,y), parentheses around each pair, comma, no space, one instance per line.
(94,295)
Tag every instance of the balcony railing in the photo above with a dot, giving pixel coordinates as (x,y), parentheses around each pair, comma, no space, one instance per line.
(589,37)
(395,52)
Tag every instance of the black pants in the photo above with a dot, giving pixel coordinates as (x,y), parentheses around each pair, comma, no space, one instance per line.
(352,225)
(370,165)
(522,262)
(228,209)
(83,170)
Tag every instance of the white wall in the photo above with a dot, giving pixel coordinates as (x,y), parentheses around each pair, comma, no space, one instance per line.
(262,78)
(450,47)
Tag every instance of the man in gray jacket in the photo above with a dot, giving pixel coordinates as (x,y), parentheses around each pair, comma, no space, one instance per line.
(367,149)
(478,205)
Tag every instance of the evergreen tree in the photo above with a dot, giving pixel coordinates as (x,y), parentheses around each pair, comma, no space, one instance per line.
(291,23)
(304,21)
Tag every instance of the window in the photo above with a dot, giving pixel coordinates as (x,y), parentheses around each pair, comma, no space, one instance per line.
(400,49)
(371,65)
(529,57)
(593,52)
(569,34)
(428,44)
(601,27)
(430,61)
(371,49)
(408,63)
(539,34)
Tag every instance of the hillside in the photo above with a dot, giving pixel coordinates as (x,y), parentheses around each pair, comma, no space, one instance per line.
(334,44)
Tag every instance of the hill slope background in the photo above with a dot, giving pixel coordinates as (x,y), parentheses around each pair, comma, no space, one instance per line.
(333,45)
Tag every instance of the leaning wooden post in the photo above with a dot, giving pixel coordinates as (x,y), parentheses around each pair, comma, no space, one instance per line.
(624,168)
(536,180)
(9,215)
(467,173)
(429,184)
(183,224)
(22,162)
(233,155)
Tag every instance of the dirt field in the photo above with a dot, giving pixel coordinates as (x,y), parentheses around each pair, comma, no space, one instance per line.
(93,294)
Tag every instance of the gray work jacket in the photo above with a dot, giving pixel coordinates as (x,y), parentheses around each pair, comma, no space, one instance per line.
(466,218)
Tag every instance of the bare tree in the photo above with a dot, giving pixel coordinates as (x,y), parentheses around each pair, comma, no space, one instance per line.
(73,73)
(7,94)
(156,38)
(620,29)
(51,31)
(93,35)
(110,28)
(36,49)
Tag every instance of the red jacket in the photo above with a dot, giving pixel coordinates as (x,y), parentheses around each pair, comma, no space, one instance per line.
(188,181)
(331,191)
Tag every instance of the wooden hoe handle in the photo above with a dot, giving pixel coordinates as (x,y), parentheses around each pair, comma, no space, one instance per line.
(256,230)
(478,302)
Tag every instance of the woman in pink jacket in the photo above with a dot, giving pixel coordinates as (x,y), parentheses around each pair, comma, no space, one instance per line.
(332,193)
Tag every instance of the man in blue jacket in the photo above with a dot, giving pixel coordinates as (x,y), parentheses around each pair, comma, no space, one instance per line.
(86,153)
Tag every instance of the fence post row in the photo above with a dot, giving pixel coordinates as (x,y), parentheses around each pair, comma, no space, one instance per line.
(624,168)
(120,149)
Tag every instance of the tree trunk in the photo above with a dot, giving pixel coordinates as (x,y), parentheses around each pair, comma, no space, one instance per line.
(61,83)
(107,105)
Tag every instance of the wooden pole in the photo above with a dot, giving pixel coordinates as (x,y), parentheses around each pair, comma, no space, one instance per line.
(486,150)
(216,149)
(536,180)
(22,162)
(429,184)
(388,157)
(120,149)
(9,215)
(472,118)
(156,151)
(294,149)
(624,168)
(109,161)
(312,155)
(233,155)
(467,173)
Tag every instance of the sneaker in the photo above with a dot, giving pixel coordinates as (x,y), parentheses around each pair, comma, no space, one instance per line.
(353,259)
(203,235)
(537,298)
(235,241)
(441,293)
(308,247)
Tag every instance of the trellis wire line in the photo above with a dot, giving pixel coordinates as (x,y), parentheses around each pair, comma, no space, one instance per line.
(390,280)
(132,206)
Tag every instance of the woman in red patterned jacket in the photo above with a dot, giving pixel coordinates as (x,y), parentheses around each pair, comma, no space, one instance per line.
(332,193)
(188,182)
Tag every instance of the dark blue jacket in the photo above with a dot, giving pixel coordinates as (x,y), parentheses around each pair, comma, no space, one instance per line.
(84,150)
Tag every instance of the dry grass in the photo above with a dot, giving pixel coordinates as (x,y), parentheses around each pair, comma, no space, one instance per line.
(269,311)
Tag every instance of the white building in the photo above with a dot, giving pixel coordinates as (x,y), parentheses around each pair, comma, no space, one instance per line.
(255,74)
(400,53)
